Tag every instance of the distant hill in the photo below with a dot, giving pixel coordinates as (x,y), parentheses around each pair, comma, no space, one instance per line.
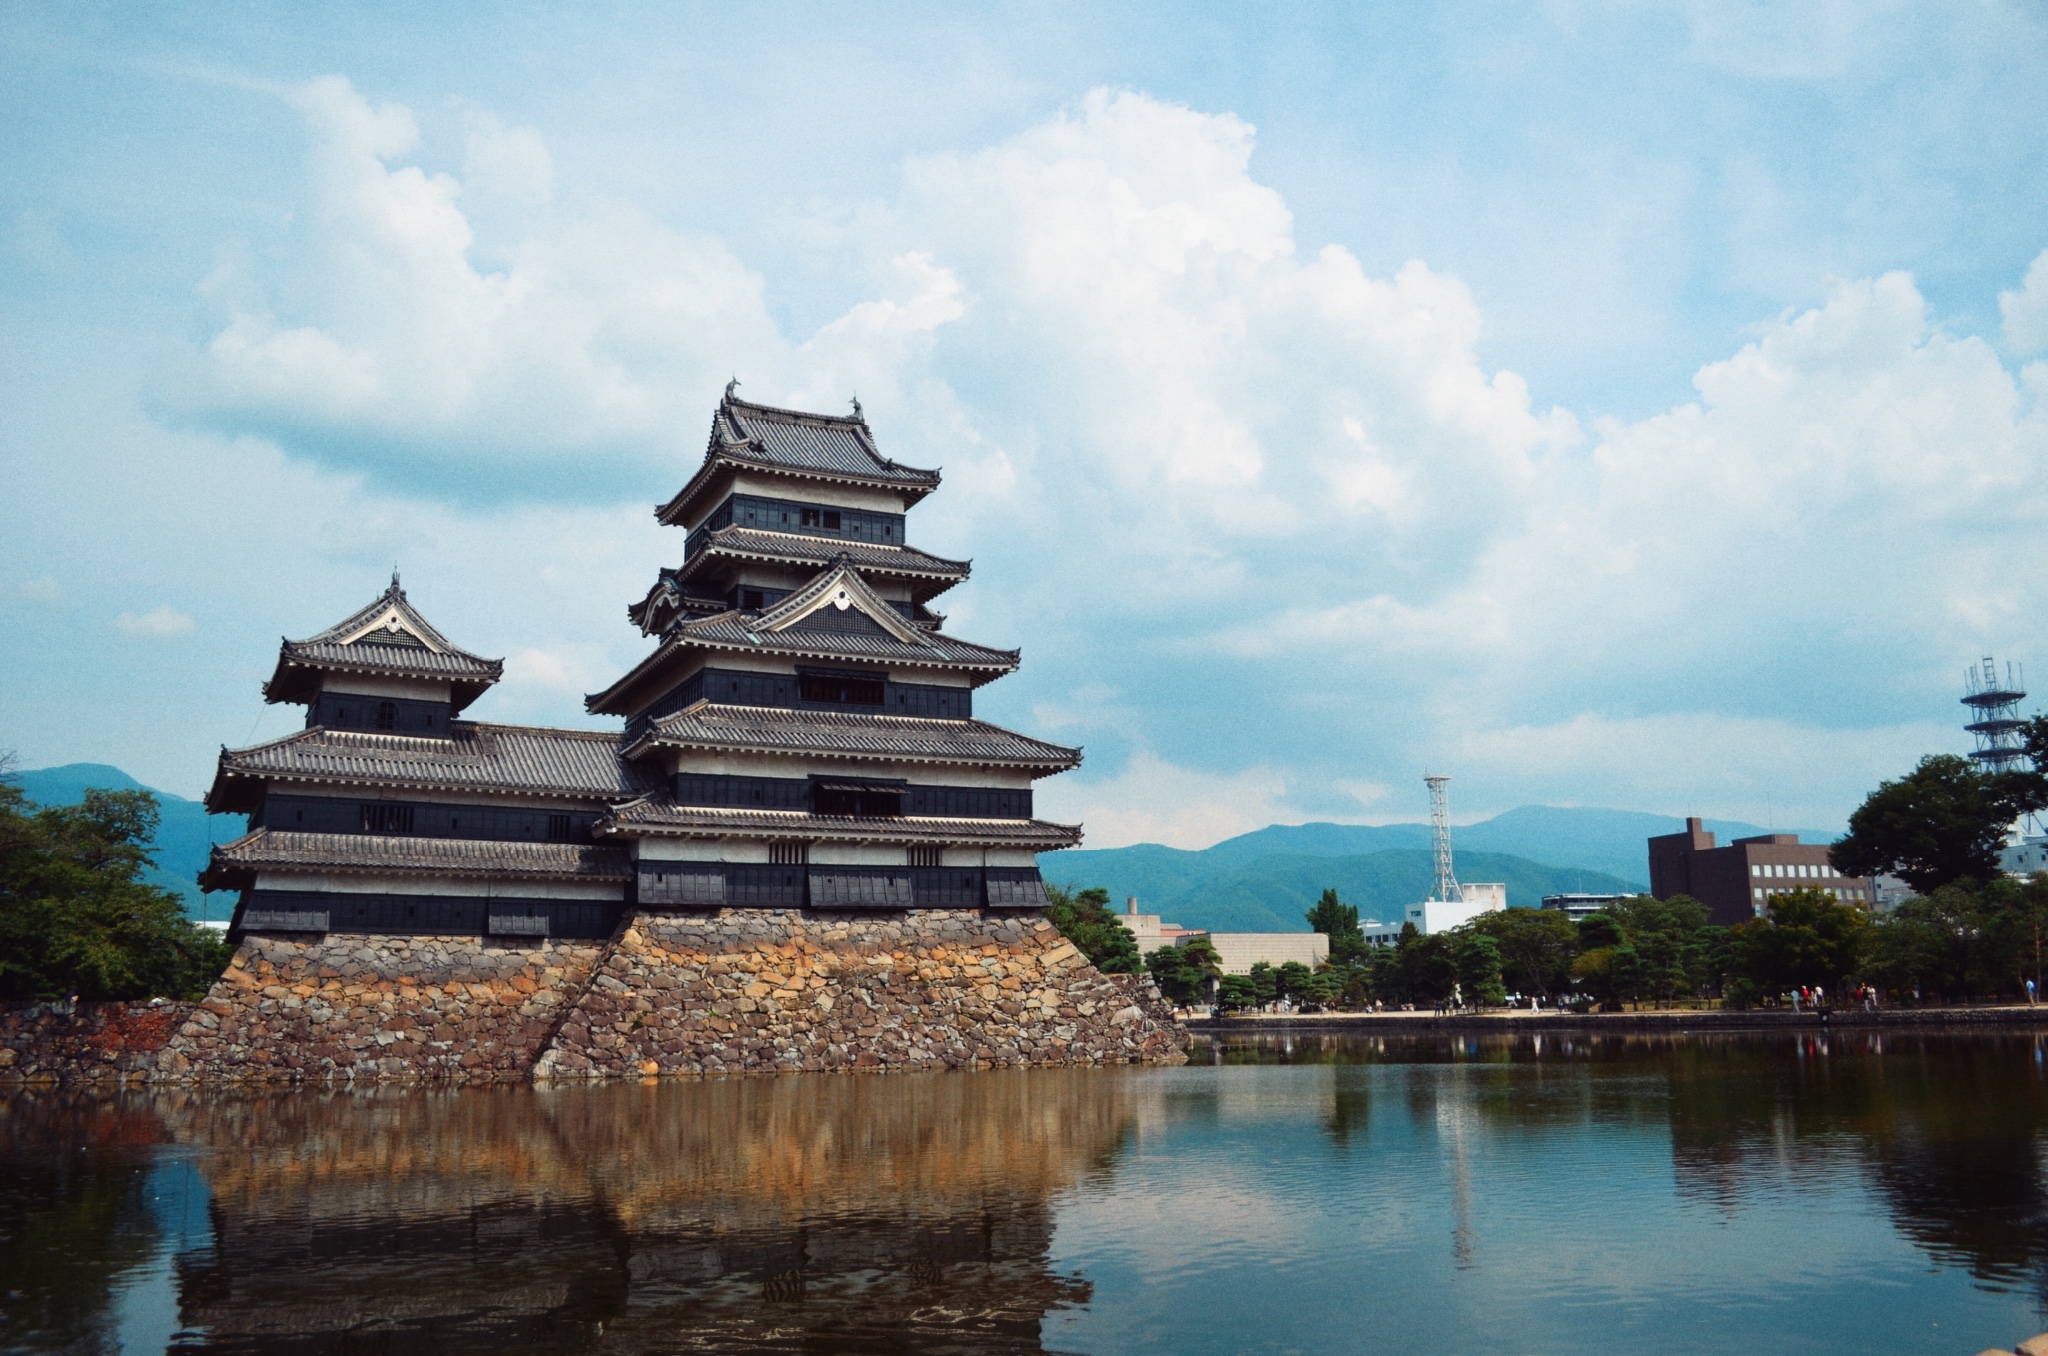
(183,836)
(1266,880)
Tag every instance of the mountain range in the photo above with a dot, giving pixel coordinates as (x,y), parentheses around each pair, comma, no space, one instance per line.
(1266,880)
(1262,881)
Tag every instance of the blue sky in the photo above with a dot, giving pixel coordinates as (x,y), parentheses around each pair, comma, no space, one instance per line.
(1608,404)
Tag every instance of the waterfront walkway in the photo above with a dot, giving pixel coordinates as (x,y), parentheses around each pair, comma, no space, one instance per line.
(1520,1020)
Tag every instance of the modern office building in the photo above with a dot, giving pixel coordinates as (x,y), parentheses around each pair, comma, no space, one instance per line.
(1441,915)
(1734,881)
(1577,906)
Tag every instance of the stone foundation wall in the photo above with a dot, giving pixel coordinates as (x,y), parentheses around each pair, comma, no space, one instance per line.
(726,990)
(732,990)
(92,1042)
(381,1007)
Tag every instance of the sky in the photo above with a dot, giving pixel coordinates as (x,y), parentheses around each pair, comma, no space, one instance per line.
(1605,404)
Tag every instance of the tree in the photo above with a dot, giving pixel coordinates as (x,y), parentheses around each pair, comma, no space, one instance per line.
(1237,991)
(1943,822)
(1085,919)
(1806,937)
(1669,939)
(75,916)
(1477,957)
(1339,922)
(1536,948)
(1183,972)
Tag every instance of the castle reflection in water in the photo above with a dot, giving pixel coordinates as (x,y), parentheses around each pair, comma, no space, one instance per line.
(910,1213)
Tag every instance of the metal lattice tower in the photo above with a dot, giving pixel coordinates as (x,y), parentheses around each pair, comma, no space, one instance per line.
(1995,707)
(1440,835)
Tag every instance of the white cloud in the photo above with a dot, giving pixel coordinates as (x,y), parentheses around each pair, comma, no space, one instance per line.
(42,589)
(596,328)
(162,623)
(1250,506)
(1153,801)
(2026,310)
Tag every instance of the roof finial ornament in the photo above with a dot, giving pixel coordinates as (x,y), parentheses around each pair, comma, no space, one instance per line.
(857,410)
(394,578)
(732,386)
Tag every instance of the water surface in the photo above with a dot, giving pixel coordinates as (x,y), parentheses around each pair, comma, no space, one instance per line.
(1753,1193)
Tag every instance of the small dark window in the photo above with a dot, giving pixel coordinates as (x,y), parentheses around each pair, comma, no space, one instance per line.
(874,804)
(888,529)
(810,517)
(831,520)
(750,600)
(298,816)
(387,819)
(842,691)
(558,828)
(387,715)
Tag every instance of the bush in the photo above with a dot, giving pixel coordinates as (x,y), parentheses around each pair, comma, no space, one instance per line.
(74,916)
(1084,918)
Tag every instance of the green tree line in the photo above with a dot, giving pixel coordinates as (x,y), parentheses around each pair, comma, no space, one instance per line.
(1971,932)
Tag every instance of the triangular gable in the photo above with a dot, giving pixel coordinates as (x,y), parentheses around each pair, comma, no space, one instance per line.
(388,620)
(841,587)
(392,626)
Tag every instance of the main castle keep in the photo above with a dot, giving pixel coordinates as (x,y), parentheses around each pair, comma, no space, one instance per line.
(799,794)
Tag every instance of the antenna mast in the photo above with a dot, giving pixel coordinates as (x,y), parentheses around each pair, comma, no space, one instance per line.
(1446,887)
(1995,707)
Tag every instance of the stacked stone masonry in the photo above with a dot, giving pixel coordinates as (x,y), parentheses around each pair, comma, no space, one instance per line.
(783,989)
(364,1006)
(721,991)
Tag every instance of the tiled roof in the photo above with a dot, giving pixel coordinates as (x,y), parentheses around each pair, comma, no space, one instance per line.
(658,816)
(406,646)
(234,865)
(502,759)
(786,632)
(709,726)
(753,543)
(817,446)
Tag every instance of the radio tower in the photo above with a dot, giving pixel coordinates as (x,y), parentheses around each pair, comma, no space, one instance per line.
(1440,836)
(1996,708)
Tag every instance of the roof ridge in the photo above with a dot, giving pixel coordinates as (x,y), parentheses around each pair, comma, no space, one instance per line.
(746,406)
(498,726)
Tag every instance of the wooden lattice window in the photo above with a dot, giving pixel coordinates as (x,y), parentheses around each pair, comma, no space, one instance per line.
(387,819)
(789,854)
(925,856)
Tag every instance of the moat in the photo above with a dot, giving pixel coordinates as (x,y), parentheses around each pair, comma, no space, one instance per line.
(1850,1192)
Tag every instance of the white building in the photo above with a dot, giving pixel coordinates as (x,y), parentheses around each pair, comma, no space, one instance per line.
(1150,932)
(2023,855)
(1441,915)
(1240,951)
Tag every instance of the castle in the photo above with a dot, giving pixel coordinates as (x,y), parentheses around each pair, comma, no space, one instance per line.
(799,767)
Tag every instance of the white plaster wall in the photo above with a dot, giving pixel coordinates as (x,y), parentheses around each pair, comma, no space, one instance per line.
(922,774)
(812,492)
(412,689)
(858,854)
